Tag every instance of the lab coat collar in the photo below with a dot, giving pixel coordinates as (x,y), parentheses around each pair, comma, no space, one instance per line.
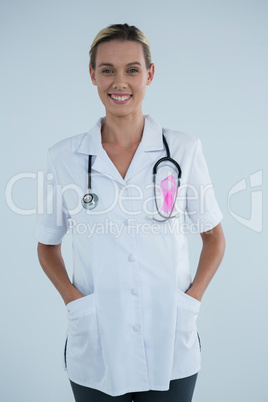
(151,141)
(151,138)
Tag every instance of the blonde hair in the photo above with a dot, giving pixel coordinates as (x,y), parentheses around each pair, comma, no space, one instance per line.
(121,32)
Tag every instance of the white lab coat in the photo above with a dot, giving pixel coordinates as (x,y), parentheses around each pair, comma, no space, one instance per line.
(135,329)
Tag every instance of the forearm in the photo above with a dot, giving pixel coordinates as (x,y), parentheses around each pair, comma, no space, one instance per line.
(210,259)
(51,261)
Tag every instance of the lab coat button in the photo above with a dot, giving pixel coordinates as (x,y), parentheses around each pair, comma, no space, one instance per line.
(136,327)
(134,291)
(131,258)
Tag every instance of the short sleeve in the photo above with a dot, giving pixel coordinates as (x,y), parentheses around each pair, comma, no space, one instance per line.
(52,215)
(201,204)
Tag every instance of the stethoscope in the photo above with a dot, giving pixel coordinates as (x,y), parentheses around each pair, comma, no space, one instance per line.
(90,200)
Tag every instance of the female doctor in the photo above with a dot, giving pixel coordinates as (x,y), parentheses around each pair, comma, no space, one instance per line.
(132,304)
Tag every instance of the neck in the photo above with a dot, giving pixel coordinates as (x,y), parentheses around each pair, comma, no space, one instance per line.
(124,131)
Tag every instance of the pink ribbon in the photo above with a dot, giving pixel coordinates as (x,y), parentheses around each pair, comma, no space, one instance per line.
(168,188)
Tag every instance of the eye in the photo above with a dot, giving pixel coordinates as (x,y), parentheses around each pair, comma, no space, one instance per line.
(133,70)
(106,71)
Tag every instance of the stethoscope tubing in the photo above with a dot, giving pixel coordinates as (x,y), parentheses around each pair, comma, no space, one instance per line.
(90,200)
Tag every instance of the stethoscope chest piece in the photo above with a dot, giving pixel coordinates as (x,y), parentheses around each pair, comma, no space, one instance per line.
(90,200)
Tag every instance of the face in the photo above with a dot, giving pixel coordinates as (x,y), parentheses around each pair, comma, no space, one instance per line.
(121,77)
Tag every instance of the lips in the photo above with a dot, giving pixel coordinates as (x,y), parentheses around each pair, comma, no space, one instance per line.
(120,98)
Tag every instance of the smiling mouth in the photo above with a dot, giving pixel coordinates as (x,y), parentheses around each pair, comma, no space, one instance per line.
(122,98)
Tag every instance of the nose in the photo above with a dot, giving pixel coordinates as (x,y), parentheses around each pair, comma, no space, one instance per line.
(119,82)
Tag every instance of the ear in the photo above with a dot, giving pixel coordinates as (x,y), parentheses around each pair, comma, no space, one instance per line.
(150,75)
(92,75)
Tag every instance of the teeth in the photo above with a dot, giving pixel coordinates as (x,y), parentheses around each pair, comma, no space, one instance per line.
(120,98)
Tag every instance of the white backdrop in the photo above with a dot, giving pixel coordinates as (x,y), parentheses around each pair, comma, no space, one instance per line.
(211,81)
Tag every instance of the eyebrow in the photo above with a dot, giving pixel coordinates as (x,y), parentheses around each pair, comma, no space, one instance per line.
(111,65)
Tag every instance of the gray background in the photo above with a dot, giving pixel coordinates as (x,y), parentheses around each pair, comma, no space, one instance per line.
(211,81)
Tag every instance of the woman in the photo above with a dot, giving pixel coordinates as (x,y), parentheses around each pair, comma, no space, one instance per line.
(131,305)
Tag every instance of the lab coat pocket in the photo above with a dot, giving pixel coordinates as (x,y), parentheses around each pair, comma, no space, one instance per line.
(187,349)
(83,354)
(79,306)
(188,301)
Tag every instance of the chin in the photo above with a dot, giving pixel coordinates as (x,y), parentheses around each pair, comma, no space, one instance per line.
(119,113)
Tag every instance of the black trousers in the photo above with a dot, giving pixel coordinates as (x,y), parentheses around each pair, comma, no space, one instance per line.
(180,390)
